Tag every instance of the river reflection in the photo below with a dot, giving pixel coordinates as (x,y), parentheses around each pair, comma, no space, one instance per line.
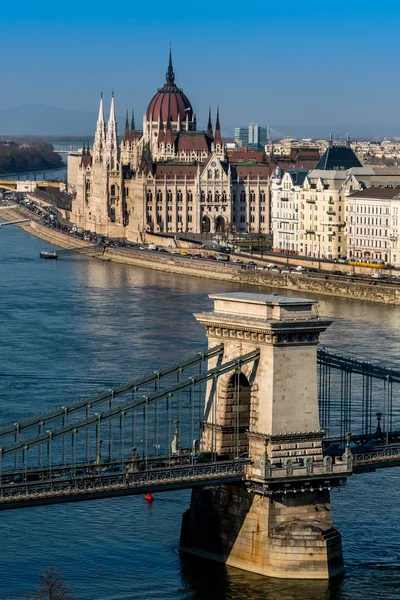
(226,583)
(74,326)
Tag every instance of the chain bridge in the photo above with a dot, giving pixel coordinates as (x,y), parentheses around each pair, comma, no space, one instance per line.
(252,425)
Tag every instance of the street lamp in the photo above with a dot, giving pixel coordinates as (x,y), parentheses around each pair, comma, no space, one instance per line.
(319,249)
(393,239)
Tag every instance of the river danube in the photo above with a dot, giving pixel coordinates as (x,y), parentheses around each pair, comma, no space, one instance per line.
(74,326)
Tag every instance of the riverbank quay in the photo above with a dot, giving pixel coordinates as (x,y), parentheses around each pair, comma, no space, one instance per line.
(303,283)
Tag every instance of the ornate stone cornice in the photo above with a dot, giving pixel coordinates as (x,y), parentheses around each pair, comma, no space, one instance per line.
(262,335)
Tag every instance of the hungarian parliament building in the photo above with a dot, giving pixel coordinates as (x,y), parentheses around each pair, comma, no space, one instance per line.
(168,177)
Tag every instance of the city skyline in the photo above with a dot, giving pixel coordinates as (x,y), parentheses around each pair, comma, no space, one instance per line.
(287,64)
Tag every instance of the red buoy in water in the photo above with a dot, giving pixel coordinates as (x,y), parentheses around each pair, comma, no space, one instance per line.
(149,497)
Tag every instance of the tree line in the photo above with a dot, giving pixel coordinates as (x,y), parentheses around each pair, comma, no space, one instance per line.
(30,156)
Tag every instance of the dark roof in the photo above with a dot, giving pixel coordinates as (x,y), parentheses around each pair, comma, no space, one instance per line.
(338,158)
(376,192)
(199,141)
(251,170)
(298,175)
(303,153)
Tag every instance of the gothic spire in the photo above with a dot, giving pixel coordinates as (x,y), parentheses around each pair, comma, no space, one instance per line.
(100,136)
(126,136)
(217,134)
(209,125)
(132,135)
(112,137)
(170,72)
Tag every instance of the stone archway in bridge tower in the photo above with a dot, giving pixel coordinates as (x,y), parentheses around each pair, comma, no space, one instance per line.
(205,225)
(233,408)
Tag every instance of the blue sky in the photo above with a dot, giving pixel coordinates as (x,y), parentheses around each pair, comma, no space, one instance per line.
(320,63)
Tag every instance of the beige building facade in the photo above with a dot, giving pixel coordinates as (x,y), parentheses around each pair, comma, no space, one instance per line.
(168,177)
(318,207)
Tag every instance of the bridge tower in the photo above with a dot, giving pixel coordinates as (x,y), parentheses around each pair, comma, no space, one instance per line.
(278,522)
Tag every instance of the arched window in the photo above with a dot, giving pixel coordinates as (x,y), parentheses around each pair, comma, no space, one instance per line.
(149,196)
(217,197)
(262,196)
(169,196)
(179,195)
(242,196)
(209,196)
(216,174)
(113,190)
(190,196)
(202,196)
(252,196)
(209,174)
(159,196)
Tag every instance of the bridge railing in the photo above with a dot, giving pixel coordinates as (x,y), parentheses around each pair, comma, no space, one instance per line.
(148,427)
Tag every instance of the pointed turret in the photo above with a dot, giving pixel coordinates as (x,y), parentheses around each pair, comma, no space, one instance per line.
(348,144)
(100,136)
(132,136)
(170,77)
(209,125)
(127,132)
(112,149)
(217,134)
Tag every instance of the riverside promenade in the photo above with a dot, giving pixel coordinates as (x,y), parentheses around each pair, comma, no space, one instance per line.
(304,283)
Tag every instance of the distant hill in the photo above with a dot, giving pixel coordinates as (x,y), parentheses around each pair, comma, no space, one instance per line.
(41,119)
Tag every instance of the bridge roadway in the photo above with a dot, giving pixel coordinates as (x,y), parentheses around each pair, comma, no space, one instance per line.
(82,482)
(56,488)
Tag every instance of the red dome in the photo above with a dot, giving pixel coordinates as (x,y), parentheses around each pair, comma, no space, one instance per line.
(169,102)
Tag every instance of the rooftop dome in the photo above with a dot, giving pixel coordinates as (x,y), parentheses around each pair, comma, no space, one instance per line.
(169,102)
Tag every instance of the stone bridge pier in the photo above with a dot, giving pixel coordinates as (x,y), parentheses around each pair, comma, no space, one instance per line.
(278,522)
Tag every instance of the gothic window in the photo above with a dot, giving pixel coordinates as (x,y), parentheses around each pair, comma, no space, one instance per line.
(223,196)
(202,196)
(169,196)
(179,195)
(209,196)
(216,198)
(242,196)
(149,196)
(159,196)
(252,196)
(209,174)
(189,196)
(113,190)
(262,196)
(216,174)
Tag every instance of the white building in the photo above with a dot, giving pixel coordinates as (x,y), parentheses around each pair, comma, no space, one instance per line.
(285,197)
(314,210)
(373,224)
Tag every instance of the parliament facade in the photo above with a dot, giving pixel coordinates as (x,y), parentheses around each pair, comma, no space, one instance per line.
(167,177)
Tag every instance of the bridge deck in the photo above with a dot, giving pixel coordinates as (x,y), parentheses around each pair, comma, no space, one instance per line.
(103,485)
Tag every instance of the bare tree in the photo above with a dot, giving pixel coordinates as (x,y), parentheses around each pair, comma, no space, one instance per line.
(52,586)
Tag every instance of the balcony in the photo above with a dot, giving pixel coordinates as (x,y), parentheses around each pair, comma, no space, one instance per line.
(330,211)
(310,201)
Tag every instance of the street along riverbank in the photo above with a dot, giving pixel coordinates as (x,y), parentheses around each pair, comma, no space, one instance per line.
(302,283)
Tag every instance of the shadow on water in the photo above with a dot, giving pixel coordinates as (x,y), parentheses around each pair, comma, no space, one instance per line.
(205,580)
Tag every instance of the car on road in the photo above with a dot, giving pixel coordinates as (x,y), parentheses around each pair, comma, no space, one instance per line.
(114,470)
